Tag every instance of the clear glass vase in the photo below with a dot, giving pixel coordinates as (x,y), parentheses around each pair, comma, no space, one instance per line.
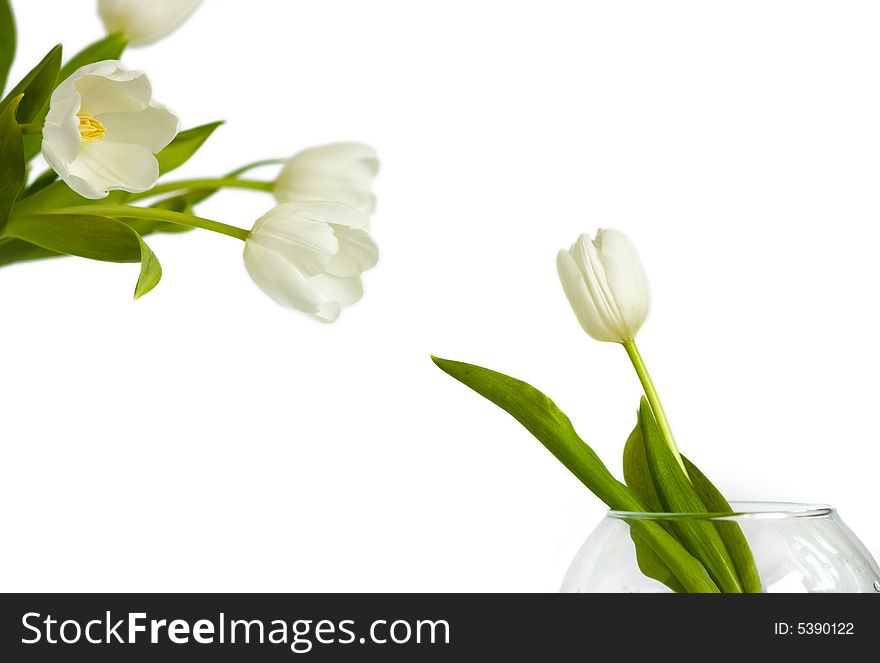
(797,548)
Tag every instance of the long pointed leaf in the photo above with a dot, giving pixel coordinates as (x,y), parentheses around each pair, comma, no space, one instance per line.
(7,41)
(636,474)
(650,563)
(36,86)
(677,495)
(40,182)
(543,419)
(87,236)
(184,145)
(638,479)
(14,250)
(93,237)
(52,196)
(730,531)
(540,416)
(12,166)
(151,271)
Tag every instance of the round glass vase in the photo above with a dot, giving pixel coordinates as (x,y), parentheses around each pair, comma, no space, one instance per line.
(797,548)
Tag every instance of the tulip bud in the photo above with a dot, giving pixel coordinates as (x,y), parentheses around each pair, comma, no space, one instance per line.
(605,285)
(310,256)
(341,172)
(145,21)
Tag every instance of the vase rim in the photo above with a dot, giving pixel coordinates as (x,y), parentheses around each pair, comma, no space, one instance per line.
(742,510)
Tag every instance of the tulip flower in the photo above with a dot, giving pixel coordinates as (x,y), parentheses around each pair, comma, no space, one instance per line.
(143,22)
(607,288)
(103,129)
(605,285)
(342,172)
(310,256)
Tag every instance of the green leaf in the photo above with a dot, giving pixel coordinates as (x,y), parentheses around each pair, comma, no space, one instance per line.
(93,237)
(549,424)
(636,474)
(37,86)
(52,196)
(650,563)
(7,41)
(184,145)
(688,572)
(638,479)
(43,180)
(677,495)
(540,416)
(12,166)
(15,250)
(151,271)
(729,530)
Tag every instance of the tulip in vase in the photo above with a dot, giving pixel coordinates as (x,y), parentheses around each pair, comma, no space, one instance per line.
(668,527)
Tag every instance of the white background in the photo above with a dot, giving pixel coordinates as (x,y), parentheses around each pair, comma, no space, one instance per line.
(204,438)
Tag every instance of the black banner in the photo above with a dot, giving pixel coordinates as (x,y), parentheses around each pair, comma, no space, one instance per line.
(430,627)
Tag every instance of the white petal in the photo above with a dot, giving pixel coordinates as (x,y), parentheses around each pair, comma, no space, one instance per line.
(61,135)
(154,127)
(307,244)
(587,258)
(144,22)
(625,276)
(344,290)
(84,186)
(357,160)
(581,303)
(325,212)
(357,252)
(112,69)
(328,311)
(57,148)
(341,172)
(112,89)
(279,279)
(326,187)
(116,166)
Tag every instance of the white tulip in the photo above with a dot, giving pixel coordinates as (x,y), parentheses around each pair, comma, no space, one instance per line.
(103,128)
(310,256)
(605,285)
(607,288)
(342,172)
(145,21)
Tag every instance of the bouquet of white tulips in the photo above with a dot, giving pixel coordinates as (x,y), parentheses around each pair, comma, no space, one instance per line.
(606,286)
(109,147)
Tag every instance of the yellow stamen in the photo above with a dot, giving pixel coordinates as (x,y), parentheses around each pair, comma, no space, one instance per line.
(90,128)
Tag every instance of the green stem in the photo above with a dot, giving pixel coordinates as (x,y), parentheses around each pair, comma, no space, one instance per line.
(210,183)
(255,164)
(31,128)
(132,212)
(653,398)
